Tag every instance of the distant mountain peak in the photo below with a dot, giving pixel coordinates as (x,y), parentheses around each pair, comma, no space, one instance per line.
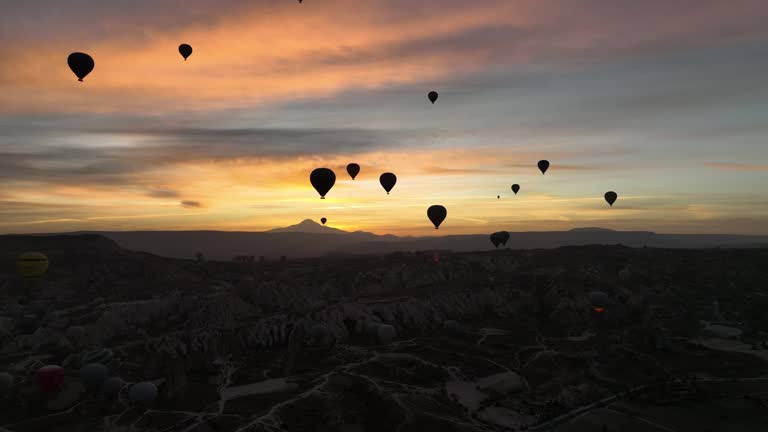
(308,226)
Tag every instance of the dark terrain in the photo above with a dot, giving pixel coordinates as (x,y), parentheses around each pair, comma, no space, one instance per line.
(486,341)
(310,239)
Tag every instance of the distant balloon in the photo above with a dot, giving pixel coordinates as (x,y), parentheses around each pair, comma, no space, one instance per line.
(322,180)
(50,378)
(498,196)
(93,375)
(432,96)
(353,170)
(504,236)
(185,51)
(515,188)
(112,386)
(610,197)
(388,181)
(6,382)
(323,220)
(543,166)
(32,265)
(81,64)
(496,239)
(143,393)
(437,214)
(386,333)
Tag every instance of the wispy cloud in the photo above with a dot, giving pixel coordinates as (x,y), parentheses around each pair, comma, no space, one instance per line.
(730,166)
(191,204)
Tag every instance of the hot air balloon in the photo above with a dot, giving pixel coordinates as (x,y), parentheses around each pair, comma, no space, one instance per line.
(81,64)
(388,181)
(515,188)
(495,239)
(323,220)
(112,386)
(599,301)
(6,382)
(322,180)
(610,197)
(50,378)
(32,265)
(543,166)
(93,375)
(143,393)
(498,196)
(504,236)
(386,333)
(432,96)
(437,214)
(353,170)
(185,51)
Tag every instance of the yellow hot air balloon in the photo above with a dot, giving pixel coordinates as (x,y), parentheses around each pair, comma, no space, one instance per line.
(32,265)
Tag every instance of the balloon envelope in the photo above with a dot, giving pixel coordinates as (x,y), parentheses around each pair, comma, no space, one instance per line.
(504,237)
(437,214)
(323,220)
(432,96)
(515,188)
(185,50)
(388,181)
(143,393)
(543,166)
(322,180)
(496,239)
(81,64)
(50,378)
(32,265)
(353,170)
(610,197)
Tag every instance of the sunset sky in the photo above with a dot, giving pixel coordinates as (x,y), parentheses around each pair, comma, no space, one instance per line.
(663,101)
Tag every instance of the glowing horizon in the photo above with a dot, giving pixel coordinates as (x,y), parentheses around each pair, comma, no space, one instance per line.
(673,119)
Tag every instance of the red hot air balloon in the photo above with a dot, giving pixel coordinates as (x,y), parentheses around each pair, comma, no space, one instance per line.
(50,378)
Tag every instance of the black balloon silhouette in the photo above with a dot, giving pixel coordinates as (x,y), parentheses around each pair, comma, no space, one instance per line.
(185,51)
(611,196)
(496,239)
(543,166)
(515,188)
(323,220)
(437,214)
(504,237)
(388,181)
(432,96)
(498,196)
(353,170)
(322,180)
(81,64)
